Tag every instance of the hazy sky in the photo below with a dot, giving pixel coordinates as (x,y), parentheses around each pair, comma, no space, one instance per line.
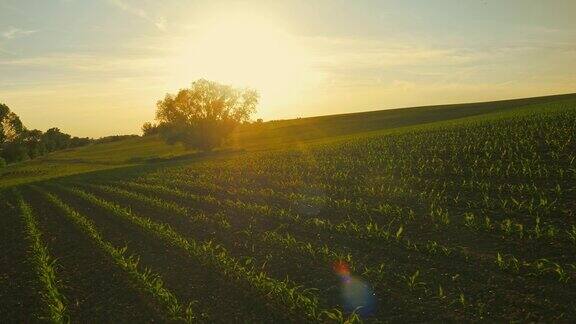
(97,67)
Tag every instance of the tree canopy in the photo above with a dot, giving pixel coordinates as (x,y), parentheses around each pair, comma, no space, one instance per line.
(10,124)
(204,115)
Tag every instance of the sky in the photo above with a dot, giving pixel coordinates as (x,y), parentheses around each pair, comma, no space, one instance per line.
(97,67)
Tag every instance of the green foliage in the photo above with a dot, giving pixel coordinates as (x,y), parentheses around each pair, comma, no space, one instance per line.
(45,267)
(466,220)
(280,134)
(413,282)
(147,280)
(53,139)
(10,125)
(149,129)
(204,115)
(218,258)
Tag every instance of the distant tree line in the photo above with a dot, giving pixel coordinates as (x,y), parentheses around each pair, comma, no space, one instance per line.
(17,143)
(203,116)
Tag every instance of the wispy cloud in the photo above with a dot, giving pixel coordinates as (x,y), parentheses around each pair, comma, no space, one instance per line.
(13,32)
(334,53)
(159,22)
(88,63)
(361,62)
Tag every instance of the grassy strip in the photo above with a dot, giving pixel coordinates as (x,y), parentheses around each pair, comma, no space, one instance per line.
(146,280)
(54,300)
(283,293)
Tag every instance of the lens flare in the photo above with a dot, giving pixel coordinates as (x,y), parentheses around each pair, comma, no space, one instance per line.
(341,268)
(357,296)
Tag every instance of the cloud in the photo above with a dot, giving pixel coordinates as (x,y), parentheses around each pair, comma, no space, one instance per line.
(13,32)
(348,63)
(160,22)
(366,54)
(88,63)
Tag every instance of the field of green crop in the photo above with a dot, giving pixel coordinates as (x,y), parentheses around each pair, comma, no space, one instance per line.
(468,219)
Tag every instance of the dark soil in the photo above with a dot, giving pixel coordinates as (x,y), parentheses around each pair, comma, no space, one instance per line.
(19,284)
(96,290)
(219,299)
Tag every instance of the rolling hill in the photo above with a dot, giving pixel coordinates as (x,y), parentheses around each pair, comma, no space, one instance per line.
(458,213)
(269,135)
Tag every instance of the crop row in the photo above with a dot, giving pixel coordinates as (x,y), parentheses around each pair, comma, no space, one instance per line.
(369,230)
(283,292)
(45,266)
(541,268)
(282,243)
(146,280)
(307,204)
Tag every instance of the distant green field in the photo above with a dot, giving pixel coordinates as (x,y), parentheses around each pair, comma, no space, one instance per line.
(269,135)
(310,129)
(458,213)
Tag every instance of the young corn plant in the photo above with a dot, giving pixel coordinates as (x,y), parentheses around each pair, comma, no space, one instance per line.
(470,220)
(441,294)
(283,293)
(399,232)
(511,263)
(146,280)
(368,230)
(338,316)
(572,234)
(413,282)
(219,220)
(53,299)
(462,300)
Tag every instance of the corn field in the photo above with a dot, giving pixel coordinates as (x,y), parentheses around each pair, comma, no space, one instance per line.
(467,220)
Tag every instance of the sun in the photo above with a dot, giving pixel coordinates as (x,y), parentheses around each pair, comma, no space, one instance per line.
(246,51)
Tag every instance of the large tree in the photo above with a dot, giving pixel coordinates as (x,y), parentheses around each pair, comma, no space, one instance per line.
(204,115)
(10,125)
(11,129)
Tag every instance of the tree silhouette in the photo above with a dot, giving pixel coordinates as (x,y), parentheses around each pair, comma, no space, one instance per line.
(204,115)
(10,124)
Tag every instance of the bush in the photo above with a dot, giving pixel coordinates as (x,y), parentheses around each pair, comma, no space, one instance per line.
(149,129)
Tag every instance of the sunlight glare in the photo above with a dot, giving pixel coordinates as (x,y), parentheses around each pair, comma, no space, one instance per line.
(246,51)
